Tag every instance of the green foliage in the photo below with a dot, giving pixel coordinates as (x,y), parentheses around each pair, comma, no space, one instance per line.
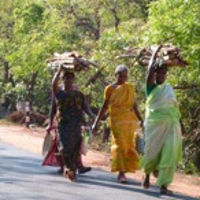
(30,18)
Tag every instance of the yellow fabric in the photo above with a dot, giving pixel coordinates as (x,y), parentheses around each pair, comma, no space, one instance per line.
(123,123)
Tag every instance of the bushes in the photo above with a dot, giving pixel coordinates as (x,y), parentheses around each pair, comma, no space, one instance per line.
(19,117)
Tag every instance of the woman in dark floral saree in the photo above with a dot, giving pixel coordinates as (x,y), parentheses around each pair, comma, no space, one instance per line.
(70,106)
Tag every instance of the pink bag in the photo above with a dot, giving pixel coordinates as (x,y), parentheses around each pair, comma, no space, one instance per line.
(51,158)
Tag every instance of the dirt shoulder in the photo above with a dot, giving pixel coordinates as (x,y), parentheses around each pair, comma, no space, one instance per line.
(32,139)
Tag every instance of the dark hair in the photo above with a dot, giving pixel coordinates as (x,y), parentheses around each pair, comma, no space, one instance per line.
(161,67)
(68,73)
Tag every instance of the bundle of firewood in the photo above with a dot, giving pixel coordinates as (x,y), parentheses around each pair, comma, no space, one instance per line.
(168,55)
(70,60)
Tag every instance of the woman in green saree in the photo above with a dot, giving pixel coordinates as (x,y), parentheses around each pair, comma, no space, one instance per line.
(163,145)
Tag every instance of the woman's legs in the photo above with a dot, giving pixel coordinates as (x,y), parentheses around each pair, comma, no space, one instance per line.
(69,146)
(73,161)
(149,167)
(79,163)
(122,177)
(146,182)
(69,170)
(164,190)
(168,161)
(165,177)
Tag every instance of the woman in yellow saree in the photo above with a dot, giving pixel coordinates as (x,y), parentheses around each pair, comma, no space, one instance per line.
(120,103)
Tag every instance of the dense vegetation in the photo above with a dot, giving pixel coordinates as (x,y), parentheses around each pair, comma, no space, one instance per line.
(99,30)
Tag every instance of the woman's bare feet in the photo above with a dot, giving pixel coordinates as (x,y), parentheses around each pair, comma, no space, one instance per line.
(155,173)
(122,178)
(71,175)
(164,190)
(146,182)
(65,172)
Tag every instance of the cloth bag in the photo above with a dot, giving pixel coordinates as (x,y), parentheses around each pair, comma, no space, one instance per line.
(140,143)
(86,136)
(47,144)
(50,151)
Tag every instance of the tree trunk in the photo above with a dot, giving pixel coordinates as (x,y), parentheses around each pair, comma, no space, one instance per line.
(6,72)
(30,85)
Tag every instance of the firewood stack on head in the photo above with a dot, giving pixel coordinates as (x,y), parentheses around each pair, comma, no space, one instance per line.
(70,61)
(169,55)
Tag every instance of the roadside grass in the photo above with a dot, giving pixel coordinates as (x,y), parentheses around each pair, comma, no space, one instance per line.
(5,121)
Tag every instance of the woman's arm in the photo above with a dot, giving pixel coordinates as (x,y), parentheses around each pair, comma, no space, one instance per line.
(151,68)
(52,114)
(135,108)
(87,109)
(100,114)
(55,81)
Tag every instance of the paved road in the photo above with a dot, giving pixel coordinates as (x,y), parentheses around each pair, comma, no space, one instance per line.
(22,178)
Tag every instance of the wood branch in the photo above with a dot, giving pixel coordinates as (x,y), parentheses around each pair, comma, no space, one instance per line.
(103,81)
(86,23)
(98,28)
(93,63)
(186,87)
(30,85)
(194,124)
(196,112)
(182,128)
(169,54)
(72,11)
(126,56)
(8,77)
(70,60)
(116,17)
(93,78)
(11,79)
(6,72)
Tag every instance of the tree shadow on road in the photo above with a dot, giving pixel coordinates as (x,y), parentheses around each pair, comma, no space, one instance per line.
(25,165)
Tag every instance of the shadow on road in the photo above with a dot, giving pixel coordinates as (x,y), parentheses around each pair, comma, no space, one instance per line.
(131,186)
(22,169)
(25,165)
